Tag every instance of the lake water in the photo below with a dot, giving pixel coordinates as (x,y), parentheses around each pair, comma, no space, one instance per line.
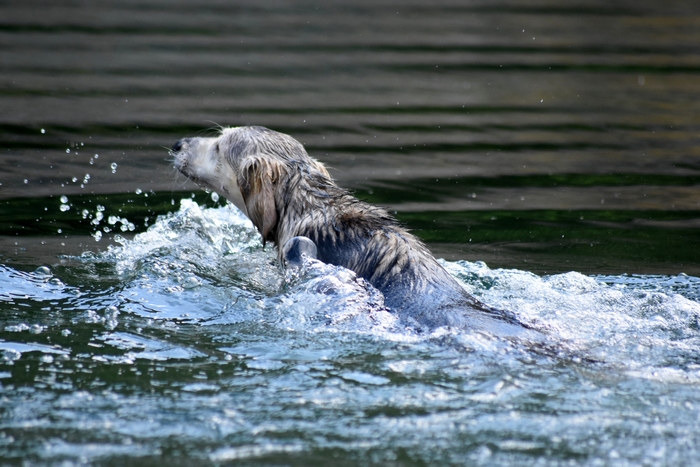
(549,152)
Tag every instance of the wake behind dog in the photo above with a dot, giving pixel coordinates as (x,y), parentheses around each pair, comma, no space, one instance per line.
(295,204)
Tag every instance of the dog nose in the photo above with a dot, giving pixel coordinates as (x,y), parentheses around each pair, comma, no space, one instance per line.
(177,147)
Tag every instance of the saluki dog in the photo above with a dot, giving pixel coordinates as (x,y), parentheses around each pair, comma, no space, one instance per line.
(287,195)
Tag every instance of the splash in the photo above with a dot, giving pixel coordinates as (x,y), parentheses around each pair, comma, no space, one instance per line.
(641,323)
(190,333)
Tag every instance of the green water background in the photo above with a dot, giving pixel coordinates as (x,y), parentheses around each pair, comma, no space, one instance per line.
(544,137)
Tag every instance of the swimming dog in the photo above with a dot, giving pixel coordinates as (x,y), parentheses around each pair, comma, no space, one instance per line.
(287,194)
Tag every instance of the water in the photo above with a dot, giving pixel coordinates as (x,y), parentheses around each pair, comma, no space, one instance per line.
(188,343)
(548,152)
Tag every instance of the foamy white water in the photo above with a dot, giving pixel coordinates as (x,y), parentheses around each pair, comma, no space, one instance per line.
(191,335)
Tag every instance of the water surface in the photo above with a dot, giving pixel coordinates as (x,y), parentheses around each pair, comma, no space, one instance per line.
(548,152)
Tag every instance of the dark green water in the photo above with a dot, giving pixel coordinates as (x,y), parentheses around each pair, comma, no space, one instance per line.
(540,138)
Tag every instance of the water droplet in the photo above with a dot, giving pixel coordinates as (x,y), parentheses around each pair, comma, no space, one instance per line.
(97,156)
(85,213)
(43,131)
(191,283)
(26,181)
(138,191)
(114,167)
(97,235)
(43,271)
(66,332)
(215,196)
(67,151)
(100,208)
(111,312)
(64,207)
(64,199)
(74,179)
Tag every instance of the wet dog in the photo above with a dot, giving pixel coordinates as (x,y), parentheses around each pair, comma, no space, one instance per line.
(287,194)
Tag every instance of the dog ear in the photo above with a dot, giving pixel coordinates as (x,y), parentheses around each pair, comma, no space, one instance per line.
(257,178)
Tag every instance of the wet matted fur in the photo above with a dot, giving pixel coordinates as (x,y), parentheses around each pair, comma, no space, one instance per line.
(286,194)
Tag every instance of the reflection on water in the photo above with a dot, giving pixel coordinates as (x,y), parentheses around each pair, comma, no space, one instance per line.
(541,138)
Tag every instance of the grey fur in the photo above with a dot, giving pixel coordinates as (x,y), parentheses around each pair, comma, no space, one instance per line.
(288,194)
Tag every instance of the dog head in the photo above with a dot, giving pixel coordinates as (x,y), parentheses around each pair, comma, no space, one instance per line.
(250,166)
